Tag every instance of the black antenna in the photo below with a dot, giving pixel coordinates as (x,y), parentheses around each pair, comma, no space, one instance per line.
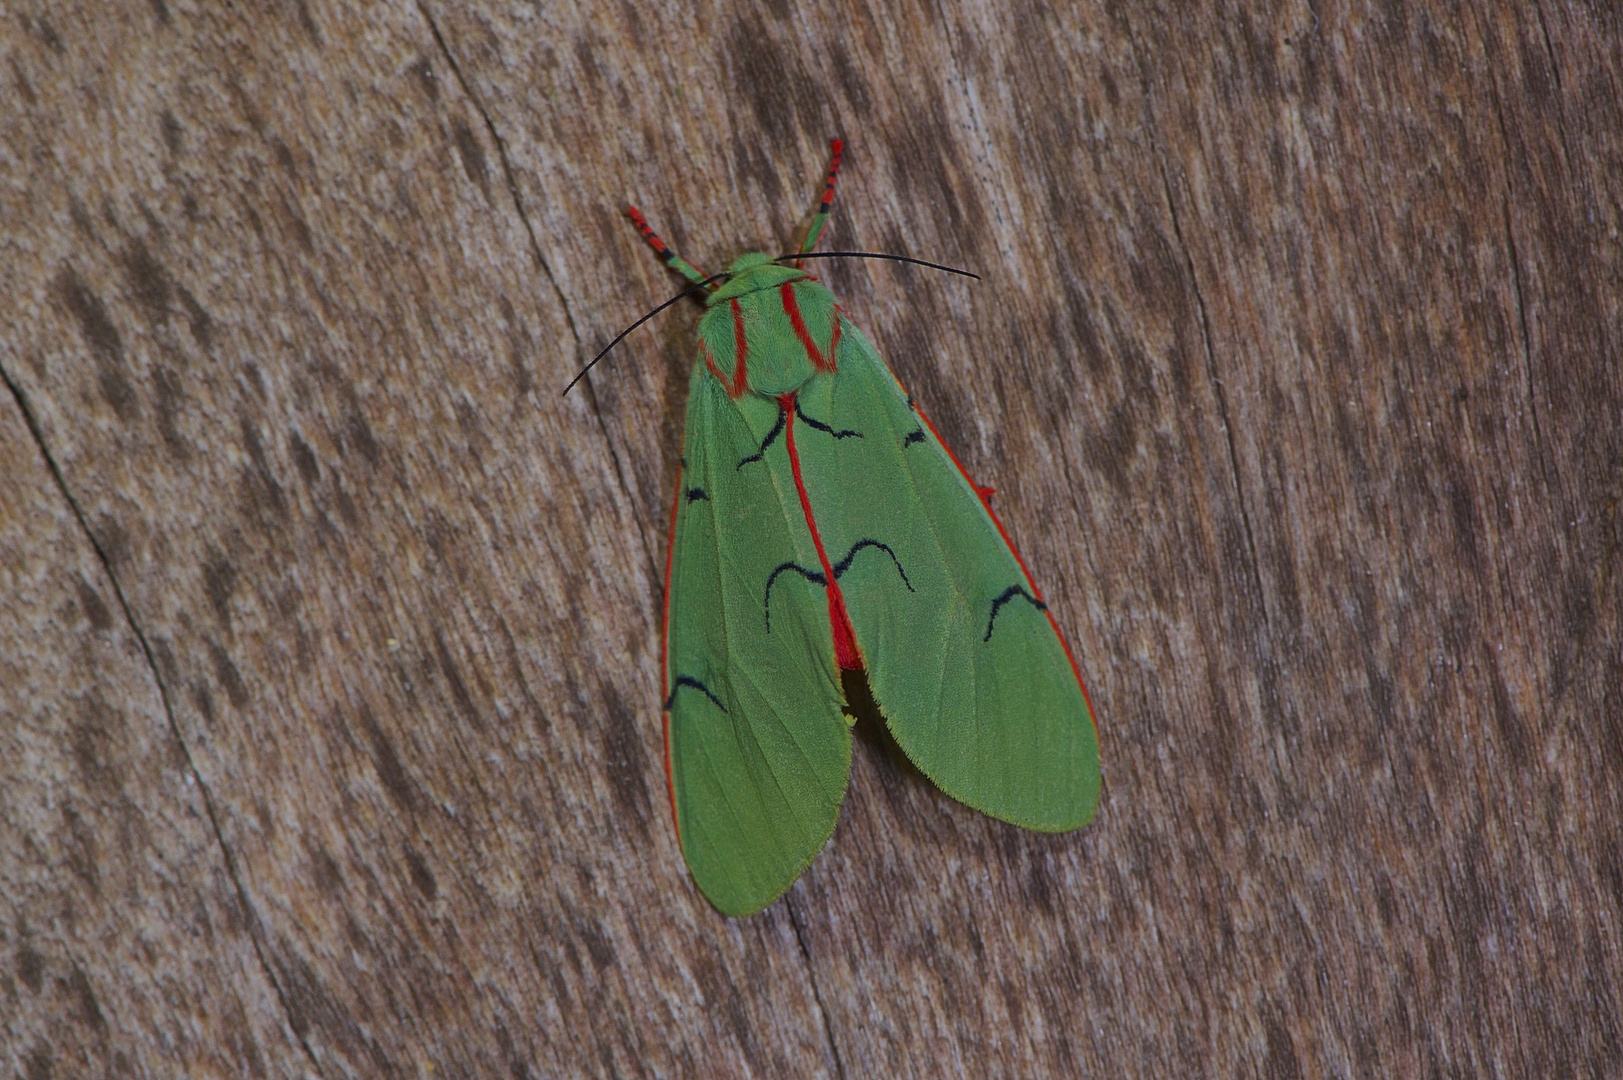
(707,282)
(874,255)
(685,292)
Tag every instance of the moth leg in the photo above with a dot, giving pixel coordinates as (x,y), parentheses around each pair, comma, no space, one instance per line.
(815,229)
(671,258)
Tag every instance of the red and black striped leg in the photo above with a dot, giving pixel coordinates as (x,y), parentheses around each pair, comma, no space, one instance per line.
(815,230)
(671,258)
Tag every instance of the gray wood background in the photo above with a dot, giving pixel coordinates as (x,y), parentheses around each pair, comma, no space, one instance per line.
(328,631)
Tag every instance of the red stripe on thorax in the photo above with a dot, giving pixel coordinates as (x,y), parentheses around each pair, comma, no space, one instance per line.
(791,308)
(741,350)
(741,347)
(845,639)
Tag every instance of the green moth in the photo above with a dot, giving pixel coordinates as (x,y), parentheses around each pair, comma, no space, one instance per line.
(821,525)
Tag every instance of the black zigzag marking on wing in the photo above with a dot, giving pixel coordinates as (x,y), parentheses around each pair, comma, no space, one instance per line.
(820,426)
(845,564)
(814,576)
(771,436)
(916,435)
(695,494)
(1009,594)
(817,578)
(688,680)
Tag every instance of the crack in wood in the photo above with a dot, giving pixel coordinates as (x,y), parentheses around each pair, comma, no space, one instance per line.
(1205,337)
(552,280)
(811,976)
(250,920)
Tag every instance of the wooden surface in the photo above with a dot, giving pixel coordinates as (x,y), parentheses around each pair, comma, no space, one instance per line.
(329,634)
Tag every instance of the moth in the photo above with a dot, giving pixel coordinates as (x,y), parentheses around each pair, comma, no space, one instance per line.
(821,526)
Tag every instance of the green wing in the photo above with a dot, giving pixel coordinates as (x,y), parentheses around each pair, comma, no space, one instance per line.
(757,750)
(962,655)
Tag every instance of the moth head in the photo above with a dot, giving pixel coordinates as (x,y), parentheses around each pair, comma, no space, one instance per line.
(752,272)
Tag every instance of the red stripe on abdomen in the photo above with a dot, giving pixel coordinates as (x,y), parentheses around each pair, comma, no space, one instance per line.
(845,639)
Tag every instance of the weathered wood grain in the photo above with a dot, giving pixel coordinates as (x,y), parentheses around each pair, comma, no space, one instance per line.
(123,929)
(330,701)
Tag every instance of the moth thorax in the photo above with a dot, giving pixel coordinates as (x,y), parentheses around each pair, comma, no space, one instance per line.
(771,340)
